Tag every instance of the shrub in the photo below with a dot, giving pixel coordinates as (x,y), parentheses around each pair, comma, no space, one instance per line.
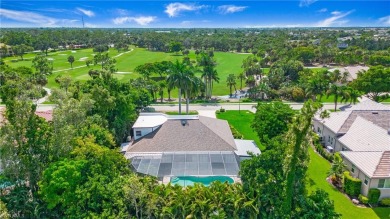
(235,133)
(298,94)
(373,196)
(222,110)
(322,152)
(246,100)
(351,185)
(363,199)
(385,202)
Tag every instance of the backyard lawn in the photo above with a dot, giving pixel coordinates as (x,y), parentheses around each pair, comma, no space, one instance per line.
(316,174)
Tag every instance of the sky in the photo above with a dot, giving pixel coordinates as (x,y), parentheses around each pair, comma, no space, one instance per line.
(193,14)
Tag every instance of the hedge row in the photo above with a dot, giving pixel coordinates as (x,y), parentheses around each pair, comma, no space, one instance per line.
(318,147)
(351,185)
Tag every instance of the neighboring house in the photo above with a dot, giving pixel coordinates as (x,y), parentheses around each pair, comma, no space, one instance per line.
(5,50)
(362,134)
(185,145)
(351,70)
(372,167)
(47,115)
(338,123)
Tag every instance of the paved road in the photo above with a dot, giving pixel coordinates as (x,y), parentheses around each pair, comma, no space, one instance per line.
(205,107)
(229,106)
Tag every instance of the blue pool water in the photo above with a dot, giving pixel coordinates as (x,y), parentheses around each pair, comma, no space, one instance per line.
(207,180)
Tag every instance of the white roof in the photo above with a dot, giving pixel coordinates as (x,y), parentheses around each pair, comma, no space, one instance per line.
(352,70)
(364,135)
(149,120)
(368,104)
(243,146)
(335,120)
(367,162)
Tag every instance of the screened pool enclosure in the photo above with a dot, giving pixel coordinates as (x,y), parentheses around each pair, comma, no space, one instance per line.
(187,164)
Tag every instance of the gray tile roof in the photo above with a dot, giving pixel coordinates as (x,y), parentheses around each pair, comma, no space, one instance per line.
(379,118)
(367,162)
(335,121)
(363,135)
(205,134)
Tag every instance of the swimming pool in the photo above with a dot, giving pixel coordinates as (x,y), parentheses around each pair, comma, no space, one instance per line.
(191,180)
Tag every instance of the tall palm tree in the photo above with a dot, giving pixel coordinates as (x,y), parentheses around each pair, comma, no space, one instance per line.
(241,76)
(209,74)
(337,91)
(161,86)
(181,77)
(231,81)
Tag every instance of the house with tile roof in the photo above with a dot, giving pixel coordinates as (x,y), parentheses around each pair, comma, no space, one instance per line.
(185,145)
(362,134)
(372,168)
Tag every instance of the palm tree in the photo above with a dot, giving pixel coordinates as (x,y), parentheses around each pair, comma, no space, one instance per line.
(209,74)
(161,86)
(241,76)
(337,91)
(231,81)
(351,95)
(337,168)
(181,77)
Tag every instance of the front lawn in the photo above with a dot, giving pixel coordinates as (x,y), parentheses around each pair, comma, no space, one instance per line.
(242,122)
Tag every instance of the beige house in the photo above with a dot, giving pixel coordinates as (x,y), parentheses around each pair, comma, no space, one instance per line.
(373,168)
(362,134)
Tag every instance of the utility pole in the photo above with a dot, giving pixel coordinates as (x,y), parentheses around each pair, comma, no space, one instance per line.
(82,19)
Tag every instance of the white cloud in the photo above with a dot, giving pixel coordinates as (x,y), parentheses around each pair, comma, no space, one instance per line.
(141,20)
(306,3)
(322,10)
(335,12)
(89,13)
(335,19)
(228,9)
(174,9)
(121,12)
(385,20)
(29,17)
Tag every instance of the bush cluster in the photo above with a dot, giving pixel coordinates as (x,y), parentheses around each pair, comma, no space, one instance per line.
(351,185)
(385,202)
(363,199)
(373,196)
(322,152)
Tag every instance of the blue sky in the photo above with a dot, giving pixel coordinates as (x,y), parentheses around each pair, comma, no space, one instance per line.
(183,14)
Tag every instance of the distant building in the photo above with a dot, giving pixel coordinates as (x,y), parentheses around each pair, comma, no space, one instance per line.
(342,45)
(351,70)
(5,50)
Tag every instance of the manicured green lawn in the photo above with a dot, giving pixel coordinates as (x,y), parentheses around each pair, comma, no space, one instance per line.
(242,122)
(228,63)
(317,174)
